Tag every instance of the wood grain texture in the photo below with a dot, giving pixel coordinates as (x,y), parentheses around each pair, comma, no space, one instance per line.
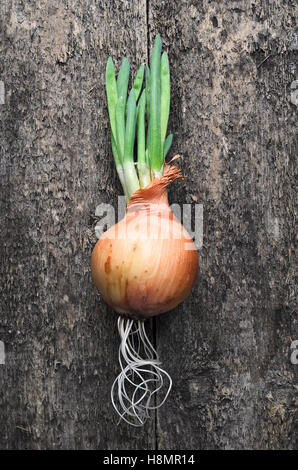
(228,346)
(61,340)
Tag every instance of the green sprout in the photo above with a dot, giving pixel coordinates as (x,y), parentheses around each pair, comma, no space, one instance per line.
(130,115)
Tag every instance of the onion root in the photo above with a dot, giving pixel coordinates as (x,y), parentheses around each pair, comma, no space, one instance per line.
(142,381)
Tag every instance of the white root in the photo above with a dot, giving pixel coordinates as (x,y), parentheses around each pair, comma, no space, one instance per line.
(134,391)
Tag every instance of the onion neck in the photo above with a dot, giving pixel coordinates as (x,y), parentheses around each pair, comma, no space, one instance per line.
(156,191)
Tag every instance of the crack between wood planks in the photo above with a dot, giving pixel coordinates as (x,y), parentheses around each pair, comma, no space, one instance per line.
(154,329)
(147,30)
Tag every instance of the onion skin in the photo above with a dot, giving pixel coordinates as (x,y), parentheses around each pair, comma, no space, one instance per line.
(139,269)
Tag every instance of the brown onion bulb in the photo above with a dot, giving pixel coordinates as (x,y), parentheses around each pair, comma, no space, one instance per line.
(147,263)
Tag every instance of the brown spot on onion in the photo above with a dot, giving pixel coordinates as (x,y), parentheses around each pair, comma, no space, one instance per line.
(108,265)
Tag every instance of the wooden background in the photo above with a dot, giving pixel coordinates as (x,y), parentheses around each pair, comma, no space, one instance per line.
(233,115)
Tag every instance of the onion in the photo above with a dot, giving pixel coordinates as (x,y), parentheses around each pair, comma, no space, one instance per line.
(147,263)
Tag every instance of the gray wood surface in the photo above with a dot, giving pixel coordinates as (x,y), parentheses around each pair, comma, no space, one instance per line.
(228,346)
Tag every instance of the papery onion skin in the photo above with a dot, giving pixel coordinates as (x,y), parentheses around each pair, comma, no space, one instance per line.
(141,265)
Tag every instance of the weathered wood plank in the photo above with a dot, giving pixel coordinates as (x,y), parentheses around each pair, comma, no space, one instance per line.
(60,338)
(228,346)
